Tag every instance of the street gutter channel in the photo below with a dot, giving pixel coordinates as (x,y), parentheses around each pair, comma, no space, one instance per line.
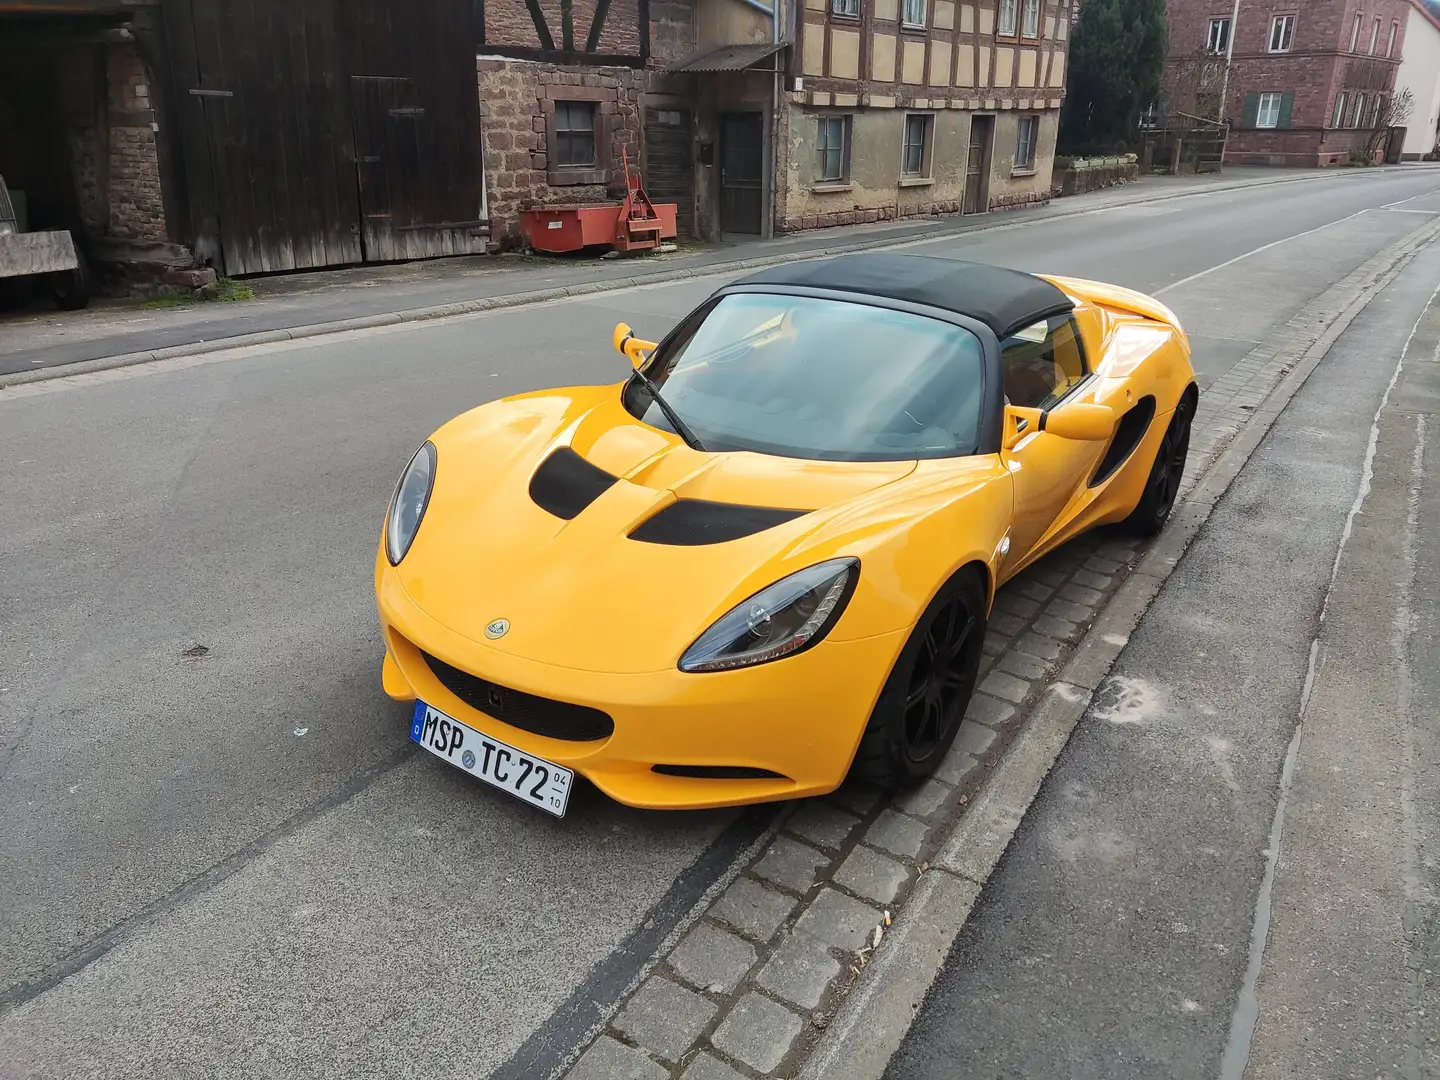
(687,1021)
(539,296)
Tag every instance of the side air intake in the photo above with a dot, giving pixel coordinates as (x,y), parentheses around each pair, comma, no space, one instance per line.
(565,484)
(1128,435)
(696,522)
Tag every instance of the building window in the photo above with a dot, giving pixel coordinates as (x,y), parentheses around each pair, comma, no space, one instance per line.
(916,160)
(1268,115)
(1375,35)
(1006,25)
(832,144)
(1355,31)
(1337,120)
(1282,33)
(913,13)
(1025,142)
(1359,117)
(1390,48)
(575,134)
(1218,40)
(848,8)
(1376,118)
(1031,26)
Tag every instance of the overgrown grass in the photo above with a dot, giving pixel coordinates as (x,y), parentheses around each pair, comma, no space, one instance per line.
(229,291)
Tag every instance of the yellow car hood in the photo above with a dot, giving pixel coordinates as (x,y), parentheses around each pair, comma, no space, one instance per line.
(581,593)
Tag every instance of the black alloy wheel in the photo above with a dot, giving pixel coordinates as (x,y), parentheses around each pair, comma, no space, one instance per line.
(924,700)
(1163,486)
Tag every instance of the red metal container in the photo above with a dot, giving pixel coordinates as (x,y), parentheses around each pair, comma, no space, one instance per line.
(570,228)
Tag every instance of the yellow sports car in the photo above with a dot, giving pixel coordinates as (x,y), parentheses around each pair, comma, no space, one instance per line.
(765,560)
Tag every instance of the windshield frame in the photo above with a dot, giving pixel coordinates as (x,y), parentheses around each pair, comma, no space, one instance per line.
(992,398)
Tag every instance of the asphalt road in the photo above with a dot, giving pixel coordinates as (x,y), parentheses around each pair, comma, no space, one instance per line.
(233,864)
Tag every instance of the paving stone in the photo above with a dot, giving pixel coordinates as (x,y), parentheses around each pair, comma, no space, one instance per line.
(1056,628)
(665,1018)
(610,1059)
(897,833)
(758,1032)
(709,1067)
(1048,575)
(1022,666)
(856,796)
(989,711)
(1065,609)
(1079,594)
(956,768)
(995,644)
(1008,687)
(974,739)
(838,920)
(869,874)
(753,909)
(711,958)
(822,824)
(1038,645)
(924,800)
(1005,623)
(1090,579)
(790,863)
(800,971)
(1034,590)
(1016,605)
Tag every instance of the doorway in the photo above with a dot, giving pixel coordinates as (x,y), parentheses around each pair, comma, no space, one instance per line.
(977,165)
(742,171)
(669,168)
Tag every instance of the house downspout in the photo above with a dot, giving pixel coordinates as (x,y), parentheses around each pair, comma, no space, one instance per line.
(773,165)
(1229,55)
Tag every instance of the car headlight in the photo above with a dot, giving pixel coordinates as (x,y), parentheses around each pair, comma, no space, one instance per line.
(407,507)
(788,617)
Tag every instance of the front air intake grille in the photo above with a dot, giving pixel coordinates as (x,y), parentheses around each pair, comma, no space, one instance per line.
(537,715)
(717,772)
(696,522)
(565,484)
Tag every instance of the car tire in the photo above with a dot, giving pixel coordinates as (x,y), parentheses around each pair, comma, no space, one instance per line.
(1163,485)
(920,709)
(71,288)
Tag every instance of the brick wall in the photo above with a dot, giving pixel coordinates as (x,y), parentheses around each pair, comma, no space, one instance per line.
(1317,67)
(509,24)
(516,102)
(137,210)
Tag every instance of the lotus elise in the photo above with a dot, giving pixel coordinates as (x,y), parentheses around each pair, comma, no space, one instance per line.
(764,561)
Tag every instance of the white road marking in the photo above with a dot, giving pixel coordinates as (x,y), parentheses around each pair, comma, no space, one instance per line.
(1257,251)
(1402,202)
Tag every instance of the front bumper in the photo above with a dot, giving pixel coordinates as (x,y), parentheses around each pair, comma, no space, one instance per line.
(800,718)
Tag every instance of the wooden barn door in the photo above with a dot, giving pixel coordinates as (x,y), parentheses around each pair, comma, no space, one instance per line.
(669,170)
(328,132)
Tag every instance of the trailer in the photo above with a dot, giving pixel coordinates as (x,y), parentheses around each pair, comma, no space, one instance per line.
(49,256)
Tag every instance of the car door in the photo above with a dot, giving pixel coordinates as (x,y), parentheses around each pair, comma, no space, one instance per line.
(1043,366)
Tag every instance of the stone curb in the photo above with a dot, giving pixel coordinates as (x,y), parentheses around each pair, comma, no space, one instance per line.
(540,296)
(872,1022)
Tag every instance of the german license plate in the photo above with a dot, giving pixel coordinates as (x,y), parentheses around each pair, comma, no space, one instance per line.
(529,778)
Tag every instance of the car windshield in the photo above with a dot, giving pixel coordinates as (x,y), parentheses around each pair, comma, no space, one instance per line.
(830,380)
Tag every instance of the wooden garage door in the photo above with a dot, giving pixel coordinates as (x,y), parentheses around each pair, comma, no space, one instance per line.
(669,165)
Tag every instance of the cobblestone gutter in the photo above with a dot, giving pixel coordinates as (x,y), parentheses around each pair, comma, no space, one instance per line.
(770,962)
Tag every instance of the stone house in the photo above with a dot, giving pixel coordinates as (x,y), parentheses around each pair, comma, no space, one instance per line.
(1301,84)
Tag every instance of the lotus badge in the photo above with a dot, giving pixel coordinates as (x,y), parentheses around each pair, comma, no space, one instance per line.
(497,629)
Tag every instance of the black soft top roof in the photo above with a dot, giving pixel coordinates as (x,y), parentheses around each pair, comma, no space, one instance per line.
(1004,300)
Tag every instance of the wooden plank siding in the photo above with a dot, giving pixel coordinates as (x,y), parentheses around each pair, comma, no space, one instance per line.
(290,167)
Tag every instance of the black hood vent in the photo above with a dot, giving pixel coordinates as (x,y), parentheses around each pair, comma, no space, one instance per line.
(565,484)
(696,522)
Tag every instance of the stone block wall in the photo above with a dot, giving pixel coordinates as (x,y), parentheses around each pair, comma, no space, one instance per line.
(517,102)
(137,209)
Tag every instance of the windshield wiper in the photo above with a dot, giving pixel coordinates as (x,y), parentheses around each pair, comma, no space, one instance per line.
(681,428)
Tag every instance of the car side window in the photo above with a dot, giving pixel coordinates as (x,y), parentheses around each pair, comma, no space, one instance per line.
(1042,363)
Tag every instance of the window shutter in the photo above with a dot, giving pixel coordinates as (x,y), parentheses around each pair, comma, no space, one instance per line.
(1252,110)
(1287,105)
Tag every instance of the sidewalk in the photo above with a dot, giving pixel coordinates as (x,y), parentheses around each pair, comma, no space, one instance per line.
(1233,868)
(302,304)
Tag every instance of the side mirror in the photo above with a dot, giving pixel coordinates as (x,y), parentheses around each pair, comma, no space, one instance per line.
(629,346)
(1081,421)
